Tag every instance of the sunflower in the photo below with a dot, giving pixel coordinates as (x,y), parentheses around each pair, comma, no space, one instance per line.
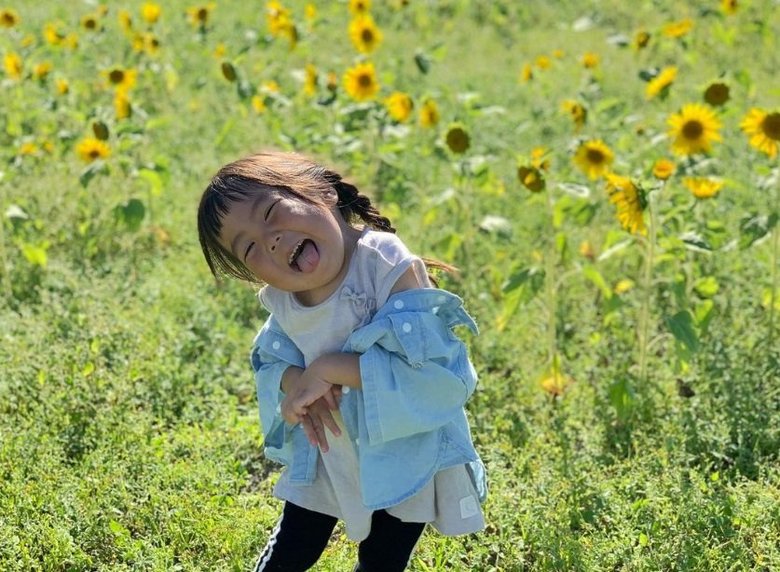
(693,129)
(91,149)
(577,112)
(42,70)
(717,94)
(258,104)
(659,85)
(151,12)
(531,178)
(360,82)
(641,39)
(122,107)
(122,79)
(543,62)
(729,6)
(527,73)
(702,188)
(629,201)
(678,29)
(151,43)
(62,86)
(399,106)
(590,60)
(90,22)
(364,34)
(280,22)
(429,113)
(52,34)
(763,128)
(12,63)
(310,80)
(8,18)
(199,15)
(358,7)
(457,139)
(125,21)
(594,158)
(539,158)
(663,169)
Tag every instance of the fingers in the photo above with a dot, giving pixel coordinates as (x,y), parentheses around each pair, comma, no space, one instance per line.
(326,418)
(315,431)
(330,399)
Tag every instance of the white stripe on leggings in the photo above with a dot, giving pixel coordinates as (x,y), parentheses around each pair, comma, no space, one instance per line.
(269,548)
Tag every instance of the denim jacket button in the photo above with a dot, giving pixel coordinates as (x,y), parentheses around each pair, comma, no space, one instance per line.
(276,345)
(398,304)
(407,327)
(344,390)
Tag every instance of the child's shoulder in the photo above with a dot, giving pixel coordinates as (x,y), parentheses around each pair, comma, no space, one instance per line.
(387,244)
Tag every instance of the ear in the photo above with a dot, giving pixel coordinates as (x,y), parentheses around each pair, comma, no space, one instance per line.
(331,197)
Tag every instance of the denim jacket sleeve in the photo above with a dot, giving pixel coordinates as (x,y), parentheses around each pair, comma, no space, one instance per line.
(415,372)
(272,353)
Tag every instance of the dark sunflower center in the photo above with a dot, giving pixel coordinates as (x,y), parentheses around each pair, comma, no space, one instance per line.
(202,15)
(116,76)
(692,130)
(771,126)
(8,19)
(364,81)
(367,35)
(90,23)
(595,156)
(717,94)
(94,153)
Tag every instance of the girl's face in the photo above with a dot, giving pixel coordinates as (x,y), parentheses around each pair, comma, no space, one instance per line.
(290,244)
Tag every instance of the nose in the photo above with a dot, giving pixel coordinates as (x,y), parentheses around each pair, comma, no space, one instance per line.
(275,242)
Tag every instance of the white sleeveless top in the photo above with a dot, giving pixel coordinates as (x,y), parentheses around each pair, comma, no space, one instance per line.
(378,261)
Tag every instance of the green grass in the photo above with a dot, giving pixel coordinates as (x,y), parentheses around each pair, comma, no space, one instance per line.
(129,435)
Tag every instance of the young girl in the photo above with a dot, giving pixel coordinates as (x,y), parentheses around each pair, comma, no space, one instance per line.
(360,381)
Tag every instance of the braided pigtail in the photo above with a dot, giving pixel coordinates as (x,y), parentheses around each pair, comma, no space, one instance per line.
(352,204)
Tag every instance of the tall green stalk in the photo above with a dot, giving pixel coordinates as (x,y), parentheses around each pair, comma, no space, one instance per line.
(4,267)
(775,249)
(551,299)
(647,289)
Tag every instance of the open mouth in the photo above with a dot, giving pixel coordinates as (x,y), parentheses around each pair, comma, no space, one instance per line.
(299,249)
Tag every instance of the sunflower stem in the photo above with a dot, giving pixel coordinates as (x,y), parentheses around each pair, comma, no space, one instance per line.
(4,269)
(647,279)
(549,284)
(775,249)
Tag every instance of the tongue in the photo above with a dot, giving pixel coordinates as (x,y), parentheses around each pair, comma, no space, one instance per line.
(308,258)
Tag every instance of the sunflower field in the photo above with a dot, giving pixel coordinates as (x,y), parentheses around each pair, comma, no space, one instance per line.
(604,174)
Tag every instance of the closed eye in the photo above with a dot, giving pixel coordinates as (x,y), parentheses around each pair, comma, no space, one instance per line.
(270,208)
(248,248)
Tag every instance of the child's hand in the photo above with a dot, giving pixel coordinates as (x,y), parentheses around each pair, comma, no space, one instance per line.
(306,389)
(314,422)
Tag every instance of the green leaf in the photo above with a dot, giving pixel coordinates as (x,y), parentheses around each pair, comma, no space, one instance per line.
(154,180)
(35,255)
(755,227)
(621,396)
(130,213)
(422,61)
(592,274)
(91,171)
(681,327)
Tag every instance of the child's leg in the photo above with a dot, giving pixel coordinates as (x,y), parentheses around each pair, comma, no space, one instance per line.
(389,546)
(297,541)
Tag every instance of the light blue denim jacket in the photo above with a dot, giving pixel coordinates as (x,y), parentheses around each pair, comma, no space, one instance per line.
(408,420)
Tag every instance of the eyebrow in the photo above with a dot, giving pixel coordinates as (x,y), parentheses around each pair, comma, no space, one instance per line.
(240,235)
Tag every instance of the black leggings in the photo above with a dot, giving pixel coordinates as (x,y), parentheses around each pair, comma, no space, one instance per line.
(301,535)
